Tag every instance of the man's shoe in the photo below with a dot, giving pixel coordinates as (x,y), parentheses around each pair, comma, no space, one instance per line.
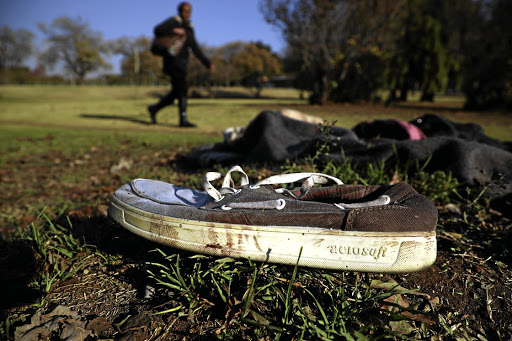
(343,227)
(152,113)
(184,121)
(187,124)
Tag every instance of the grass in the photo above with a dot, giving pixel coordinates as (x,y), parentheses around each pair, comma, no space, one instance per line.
(19,140)
(118,108)
(59,145)
(107,109)
(61,254)
(276,301)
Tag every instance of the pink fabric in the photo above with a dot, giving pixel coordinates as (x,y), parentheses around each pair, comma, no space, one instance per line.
(414,132)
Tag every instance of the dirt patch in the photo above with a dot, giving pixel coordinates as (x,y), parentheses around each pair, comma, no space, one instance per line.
(470,295)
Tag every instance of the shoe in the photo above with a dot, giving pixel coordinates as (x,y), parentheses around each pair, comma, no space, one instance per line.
(187,124)
(341,227)
(152,113)
(184,121)
(182,110)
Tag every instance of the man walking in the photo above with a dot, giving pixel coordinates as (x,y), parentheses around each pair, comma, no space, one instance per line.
(179,30)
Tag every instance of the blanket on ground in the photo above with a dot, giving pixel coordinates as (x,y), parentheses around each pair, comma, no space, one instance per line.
(462,149)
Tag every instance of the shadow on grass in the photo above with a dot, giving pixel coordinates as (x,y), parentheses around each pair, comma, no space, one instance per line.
(108,236)
(437,107)
(18,269)
(233,94)
(20,263)
(116,117)
(125,258)
(249,93)
(128,119)
(135,252)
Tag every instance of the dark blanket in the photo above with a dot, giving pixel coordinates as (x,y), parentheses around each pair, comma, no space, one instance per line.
(463,149)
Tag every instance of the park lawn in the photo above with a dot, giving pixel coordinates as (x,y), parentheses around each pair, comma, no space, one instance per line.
(124,109)
(66,149)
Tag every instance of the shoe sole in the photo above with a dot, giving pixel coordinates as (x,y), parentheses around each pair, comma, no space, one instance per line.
(321,248)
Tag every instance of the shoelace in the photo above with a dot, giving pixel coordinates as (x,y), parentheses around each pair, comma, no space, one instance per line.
(309,180)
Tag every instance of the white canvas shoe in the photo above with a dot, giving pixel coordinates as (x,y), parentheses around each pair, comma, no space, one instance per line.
(342,227)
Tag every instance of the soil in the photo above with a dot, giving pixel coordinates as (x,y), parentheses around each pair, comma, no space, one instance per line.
(468,289)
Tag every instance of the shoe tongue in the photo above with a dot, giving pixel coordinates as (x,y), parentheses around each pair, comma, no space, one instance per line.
(166,193)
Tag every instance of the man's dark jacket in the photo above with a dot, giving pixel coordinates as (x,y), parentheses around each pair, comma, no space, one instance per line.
(179,63)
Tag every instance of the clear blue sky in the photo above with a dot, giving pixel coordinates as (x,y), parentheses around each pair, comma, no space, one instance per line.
(216,22)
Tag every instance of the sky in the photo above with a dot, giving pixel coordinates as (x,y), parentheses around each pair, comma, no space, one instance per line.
(216,22)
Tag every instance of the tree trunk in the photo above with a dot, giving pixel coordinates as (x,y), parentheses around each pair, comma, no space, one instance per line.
(427,96)
(320,90)
(392,96)
(403,93)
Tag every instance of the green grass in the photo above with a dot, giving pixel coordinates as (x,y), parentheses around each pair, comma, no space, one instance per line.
(108,109)
(61,255)
(18,140)
(276,301)
(120,108)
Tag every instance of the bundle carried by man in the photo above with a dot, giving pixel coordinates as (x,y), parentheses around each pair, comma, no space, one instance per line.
(168,45)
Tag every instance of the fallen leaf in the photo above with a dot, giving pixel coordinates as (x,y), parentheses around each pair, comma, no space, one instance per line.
(395,179)
(120,165)
(402,327)
(393,286)
(99,325)
(62,322)
(399,305)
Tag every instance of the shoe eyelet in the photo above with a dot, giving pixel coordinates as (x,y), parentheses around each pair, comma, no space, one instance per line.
(281,205)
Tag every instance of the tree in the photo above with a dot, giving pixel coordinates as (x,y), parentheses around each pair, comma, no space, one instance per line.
(255,63)
(256,60)
(488,64)
(138,64)
(313,31)
(369,28)
(15,46)
(236,63)
(336,43)
(74,43)
(418,58)
(198,75)
(455,18)
(226,73)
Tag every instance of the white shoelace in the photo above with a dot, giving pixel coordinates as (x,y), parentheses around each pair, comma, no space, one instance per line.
(309,180)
